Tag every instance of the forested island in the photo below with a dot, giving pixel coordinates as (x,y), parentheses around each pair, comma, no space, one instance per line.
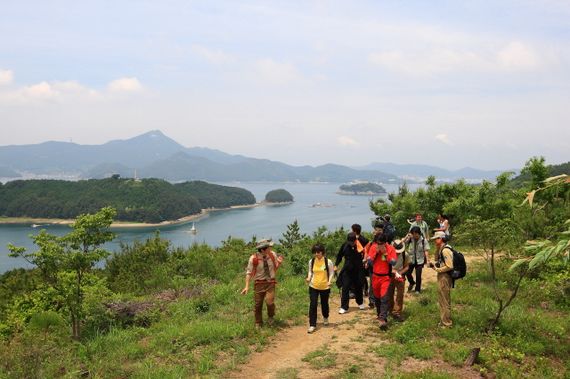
(278,196)
(365,189)
(146,200)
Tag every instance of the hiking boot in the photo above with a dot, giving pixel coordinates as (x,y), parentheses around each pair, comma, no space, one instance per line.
(270,321)
(361,307)
(257,326)
(397,318)
(311,329)
(342,311)
(325,321)
(411,287)
(383,324)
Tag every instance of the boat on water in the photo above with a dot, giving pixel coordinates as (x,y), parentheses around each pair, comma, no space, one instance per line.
(193,229)
(35,225)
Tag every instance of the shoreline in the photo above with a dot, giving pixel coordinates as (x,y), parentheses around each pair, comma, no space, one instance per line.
(122,224)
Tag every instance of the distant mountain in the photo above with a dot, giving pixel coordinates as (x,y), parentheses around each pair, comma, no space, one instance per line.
(418,171)
(155,155)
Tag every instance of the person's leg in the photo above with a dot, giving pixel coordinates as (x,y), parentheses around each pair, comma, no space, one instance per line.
(385,288)
(325,303)
(313,298)
(259,295)
(399,287)
(419,270)
(270,300)
(391,297)
(371,298)
(357,280)
(444,298)
(344,296)
(410,278)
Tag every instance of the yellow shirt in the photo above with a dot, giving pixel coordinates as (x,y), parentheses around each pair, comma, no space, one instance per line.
(320,281)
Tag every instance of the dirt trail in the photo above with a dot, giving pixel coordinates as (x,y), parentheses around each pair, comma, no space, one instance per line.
(350,336)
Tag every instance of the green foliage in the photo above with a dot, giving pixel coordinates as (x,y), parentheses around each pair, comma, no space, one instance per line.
(146,200)
(292,235)
(278,196)
(536,168)
(65,262)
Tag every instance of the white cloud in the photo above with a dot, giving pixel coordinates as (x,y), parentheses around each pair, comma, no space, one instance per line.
(347,141)
(277,73)
(125,85)
(40,91)
(518,56)
(6,77)
(443,138)
(214,56)
(514,56)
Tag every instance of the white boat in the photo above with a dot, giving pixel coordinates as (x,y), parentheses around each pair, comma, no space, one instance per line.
(193,229)
(35,225)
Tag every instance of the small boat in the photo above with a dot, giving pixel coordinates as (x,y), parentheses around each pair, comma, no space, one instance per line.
(193,229)
(35,225)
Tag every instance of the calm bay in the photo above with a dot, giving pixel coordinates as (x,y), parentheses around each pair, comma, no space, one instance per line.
(316,205)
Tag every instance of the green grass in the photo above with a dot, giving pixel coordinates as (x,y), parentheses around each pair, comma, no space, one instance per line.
(321,358)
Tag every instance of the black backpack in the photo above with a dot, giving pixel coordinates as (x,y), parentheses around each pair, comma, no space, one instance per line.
(459,265)
(389,231)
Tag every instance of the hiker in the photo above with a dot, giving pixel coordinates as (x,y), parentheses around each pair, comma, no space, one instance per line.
(319,277)
(351,274)
(443,267)
(443,222)
(396,297)
(424,227)
(382,256)
(262,267)
(361,243)
(378,226)
(418,249)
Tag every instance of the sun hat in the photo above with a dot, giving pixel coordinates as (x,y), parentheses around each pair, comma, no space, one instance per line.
(399,246)
(262,244)
(438,234)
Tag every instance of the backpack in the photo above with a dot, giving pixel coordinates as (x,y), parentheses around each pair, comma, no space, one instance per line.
(389,231)
(256,262)
(326,265)
(459,265)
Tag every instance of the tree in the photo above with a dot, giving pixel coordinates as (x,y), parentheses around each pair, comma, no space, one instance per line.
(65,262)
(292,236)
(537,170)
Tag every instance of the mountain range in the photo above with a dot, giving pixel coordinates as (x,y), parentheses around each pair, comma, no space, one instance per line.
(155,155)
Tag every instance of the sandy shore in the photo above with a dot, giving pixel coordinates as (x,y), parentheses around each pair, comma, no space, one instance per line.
(122,224)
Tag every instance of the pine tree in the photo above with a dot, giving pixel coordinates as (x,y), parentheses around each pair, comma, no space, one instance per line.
(292,235)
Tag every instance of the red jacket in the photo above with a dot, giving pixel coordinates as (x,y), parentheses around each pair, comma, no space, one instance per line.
(382,264)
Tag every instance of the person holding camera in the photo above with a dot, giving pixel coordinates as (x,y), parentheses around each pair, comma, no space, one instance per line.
(443,267)
(418,249)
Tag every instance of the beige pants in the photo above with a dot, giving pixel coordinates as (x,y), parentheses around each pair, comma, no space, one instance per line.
(444,283)
(264,291)
(396,297)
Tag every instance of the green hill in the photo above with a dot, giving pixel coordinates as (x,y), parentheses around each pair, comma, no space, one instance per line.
(147,200)
(278,196)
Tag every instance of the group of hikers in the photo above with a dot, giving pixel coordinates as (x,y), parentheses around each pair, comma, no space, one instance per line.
(377,269)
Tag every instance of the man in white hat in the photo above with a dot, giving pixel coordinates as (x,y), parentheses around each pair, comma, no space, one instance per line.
(396,297)
(262,267)
(443,267)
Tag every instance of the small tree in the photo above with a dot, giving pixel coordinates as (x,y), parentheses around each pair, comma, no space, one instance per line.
(292,236)
(65,262)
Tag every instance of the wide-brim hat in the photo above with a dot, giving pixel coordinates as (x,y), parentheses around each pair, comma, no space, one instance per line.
(438,234)
(399,245)
(262,244)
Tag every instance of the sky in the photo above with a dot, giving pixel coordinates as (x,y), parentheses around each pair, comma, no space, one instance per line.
(484,84)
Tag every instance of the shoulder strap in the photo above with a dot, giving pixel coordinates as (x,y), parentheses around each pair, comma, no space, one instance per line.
(312,264)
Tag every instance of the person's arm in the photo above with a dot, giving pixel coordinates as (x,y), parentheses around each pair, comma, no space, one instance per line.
(447,261)
(248,276)
(339,257)
(309,273)
(331,271)
(426,252)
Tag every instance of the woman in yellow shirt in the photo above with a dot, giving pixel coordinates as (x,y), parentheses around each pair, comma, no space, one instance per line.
(319,277)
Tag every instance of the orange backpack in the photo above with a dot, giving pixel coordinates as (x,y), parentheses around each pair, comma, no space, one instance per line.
(256,262)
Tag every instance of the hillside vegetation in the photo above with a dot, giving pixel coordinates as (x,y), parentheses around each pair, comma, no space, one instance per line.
(155,311)
(362,188)
(278,196)
(146,200)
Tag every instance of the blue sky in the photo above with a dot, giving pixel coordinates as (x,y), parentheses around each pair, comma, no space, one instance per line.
(451,83)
